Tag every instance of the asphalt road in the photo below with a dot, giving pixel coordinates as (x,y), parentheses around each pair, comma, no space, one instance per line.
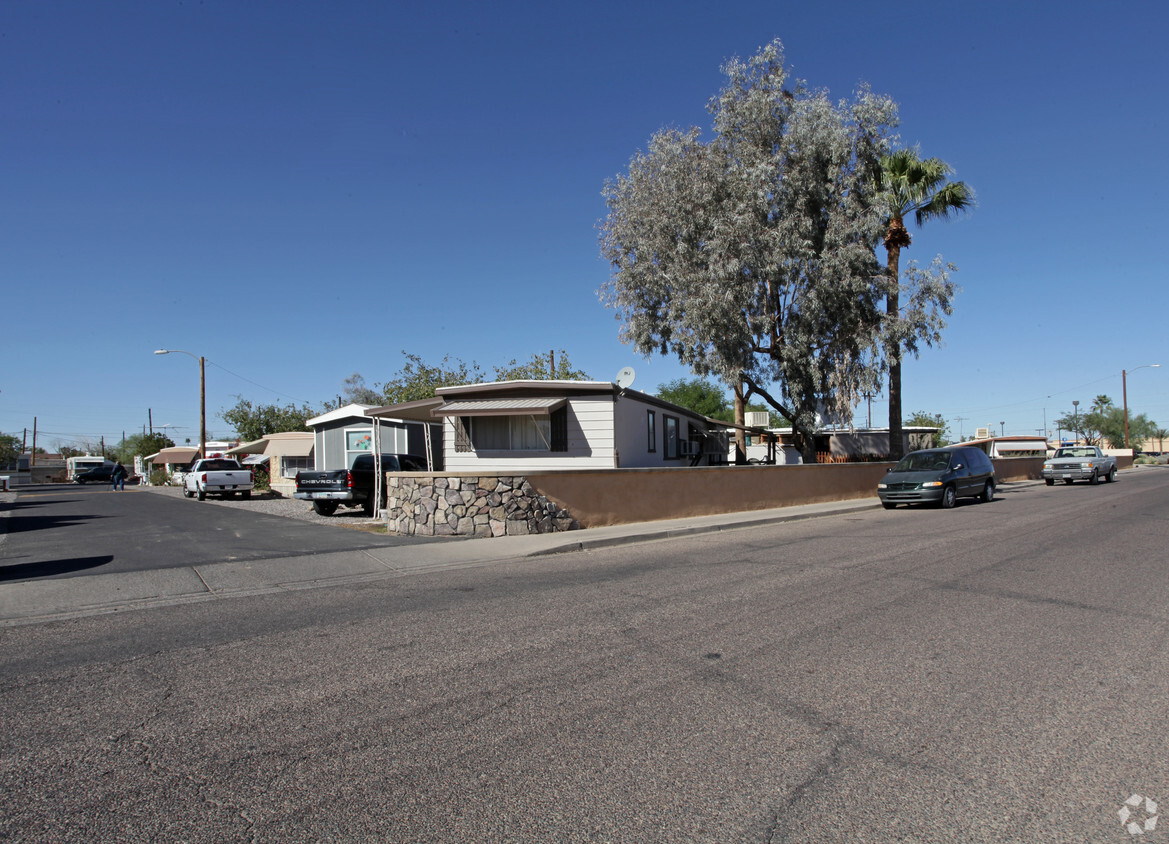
(69,530)
(996,672)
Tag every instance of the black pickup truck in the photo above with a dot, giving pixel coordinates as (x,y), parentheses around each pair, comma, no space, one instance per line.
(351,487)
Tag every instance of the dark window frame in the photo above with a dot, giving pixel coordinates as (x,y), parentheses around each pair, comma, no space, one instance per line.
(651,425)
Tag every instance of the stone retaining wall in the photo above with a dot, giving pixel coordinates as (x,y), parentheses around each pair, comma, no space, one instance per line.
(442,505)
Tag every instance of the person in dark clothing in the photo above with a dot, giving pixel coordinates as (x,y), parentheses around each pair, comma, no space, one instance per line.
(119,477)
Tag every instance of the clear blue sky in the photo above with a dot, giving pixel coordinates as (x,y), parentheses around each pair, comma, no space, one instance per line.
(300,191)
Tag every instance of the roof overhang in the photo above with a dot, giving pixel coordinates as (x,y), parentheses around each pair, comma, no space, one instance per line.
(287,446)
(411,411)
(178,454)
(502,407)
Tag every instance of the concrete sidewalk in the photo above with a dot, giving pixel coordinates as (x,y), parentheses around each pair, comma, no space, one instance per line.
(29,602)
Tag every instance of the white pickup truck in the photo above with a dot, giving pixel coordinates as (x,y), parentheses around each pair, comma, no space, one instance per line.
(217,476)
(1079,463)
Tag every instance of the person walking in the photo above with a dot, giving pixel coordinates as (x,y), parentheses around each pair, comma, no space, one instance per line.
(119,477)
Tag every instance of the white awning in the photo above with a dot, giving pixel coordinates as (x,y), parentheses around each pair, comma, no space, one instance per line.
(177,454)
(290,446)
(502,407)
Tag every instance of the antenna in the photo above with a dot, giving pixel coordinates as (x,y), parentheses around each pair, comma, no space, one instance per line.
(625,377)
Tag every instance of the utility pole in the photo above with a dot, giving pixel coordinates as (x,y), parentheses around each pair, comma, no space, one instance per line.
(552,364)
(961,434)
(150,419)
(34,442)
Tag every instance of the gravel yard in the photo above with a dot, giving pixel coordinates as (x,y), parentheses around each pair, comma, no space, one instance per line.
(290,508)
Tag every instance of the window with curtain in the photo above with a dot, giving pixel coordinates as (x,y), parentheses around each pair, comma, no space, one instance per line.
(513,433)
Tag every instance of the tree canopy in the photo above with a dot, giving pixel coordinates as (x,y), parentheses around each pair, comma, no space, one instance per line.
(9,449)
(752,256)
(139,445)
(550,367)
(254,421)
(921,419)
(418,379)
(1103,424)
(699,395)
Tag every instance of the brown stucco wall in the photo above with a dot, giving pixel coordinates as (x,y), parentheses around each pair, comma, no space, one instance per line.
(598,497)
(618,496)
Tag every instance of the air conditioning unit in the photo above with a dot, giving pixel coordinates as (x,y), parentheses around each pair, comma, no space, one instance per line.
(757,418)
(982,434)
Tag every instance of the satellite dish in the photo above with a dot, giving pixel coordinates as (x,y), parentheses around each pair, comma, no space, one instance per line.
(625,377)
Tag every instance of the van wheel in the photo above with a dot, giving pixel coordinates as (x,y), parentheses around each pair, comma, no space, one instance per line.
(949,497)
(324,508)
(987,493)
(888,505)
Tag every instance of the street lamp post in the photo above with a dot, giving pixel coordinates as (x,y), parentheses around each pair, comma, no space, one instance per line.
(1076,412)
(1124,390)
(202,396)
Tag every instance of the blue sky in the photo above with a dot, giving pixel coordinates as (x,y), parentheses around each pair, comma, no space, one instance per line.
(301,191)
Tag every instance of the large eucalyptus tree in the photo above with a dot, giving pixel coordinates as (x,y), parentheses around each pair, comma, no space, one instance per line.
(909,185)
(752,256)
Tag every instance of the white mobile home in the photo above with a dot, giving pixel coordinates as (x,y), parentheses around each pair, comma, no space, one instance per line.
(528,426)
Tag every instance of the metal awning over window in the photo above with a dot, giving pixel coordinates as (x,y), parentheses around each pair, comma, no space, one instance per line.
(299,447)
(501,407)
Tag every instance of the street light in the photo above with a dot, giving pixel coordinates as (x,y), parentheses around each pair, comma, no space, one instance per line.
(1124,390)
(202,396)
(1076,405)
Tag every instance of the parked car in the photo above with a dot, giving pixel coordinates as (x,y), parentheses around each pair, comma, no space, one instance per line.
(1079,463)
(96,475)
(938,476)
(101,475)
(217,476)
(352,487)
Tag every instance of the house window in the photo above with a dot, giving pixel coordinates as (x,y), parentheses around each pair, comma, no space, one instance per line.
(651,429)
(513,433)
(510,433)
(357,441)
(671,436)
(289,466)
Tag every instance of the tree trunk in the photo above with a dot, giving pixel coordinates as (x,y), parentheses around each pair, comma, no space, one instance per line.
(893,309)
(740,419)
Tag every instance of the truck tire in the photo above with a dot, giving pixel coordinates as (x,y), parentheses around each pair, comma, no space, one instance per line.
(1049,481)
(1095,479)
(201,493)
(246,494)
(1111,476)
(324,508)
(187,493)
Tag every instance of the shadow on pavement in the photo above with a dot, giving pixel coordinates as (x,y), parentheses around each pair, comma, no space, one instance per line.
(29,571)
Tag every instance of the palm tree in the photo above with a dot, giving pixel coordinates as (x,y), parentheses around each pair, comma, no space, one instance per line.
(911,185)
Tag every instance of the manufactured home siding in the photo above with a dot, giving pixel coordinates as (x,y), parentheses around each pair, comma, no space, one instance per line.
(590,444)
(632,436)
(329,439)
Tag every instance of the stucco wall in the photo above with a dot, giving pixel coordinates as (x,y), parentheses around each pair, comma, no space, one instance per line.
(610,497)
(598,497)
